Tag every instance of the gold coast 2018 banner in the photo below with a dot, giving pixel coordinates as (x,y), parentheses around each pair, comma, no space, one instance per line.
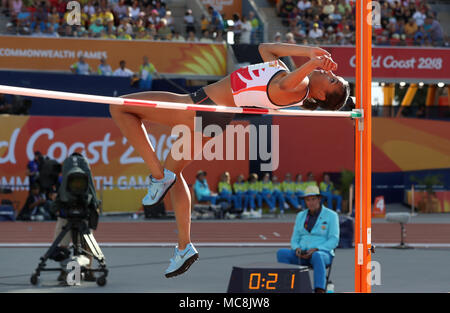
(119,173)
(58,54)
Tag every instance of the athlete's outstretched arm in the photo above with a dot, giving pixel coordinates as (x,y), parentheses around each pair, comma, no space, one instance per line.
(273,51)
(293,80)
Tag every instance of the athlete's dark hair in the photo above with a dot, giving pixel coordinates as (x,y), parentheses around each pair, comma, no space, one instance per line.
(334,100)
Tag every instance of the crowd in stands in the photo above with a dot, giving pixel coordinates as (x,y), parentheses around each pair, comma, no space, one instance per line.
(401,23)
(246,197)
(122,19)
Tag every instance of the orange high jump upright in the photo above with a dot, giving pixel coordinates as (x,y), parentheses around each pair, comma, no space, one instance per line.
(363,145)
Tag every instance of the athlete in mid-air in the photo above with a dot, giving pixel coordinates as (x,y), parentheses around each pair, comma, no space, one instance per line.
(266,85)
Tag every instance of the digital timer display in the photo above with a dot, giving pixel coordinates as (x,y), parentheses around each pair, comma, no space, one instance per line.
(270,277)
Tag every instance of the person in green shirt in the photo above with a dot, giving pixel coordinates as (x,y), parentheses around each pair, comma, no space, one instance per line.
(266,192)
(146,72)
(224,189)
(288,187)
(300,189)
(277,194)
(254,187)
(329,193)
(240,190)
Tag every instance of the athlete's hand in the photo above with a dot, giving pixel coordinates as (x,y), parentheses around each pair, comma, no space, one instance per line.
(318,52)
(324,62)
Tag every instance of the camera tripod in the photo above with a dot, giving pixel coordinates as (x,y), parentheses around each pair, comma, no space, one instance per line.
(81,238)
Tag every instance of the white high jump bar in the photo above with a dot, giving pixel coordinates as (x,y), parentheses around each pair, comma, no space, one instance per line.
(59,95)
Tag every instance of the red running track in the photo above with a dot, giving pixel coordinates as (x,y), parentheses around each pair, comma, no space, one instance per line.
(208,232)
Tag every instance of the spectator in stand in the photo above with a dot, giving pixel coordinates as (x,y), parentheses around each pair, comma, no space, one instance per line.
(169,20)
(201,189)
(302,5)
(121,34)
(246,31)
(163,30)
(419,37)
(329,193)
(89,8)
(285,7)
(237,28)
(191,37)
(121,9)
(146,72)
(97,27)
(434,31)
(316,33)
(217,24)
(327,9)
(266,192)
(161,8)
(419,16)
(189,22)
(134,10)
(51,32)
(81,67)
(277,37)
(240,190)
(125,26)
(288,188)
(204,22)
(206,38)
(54,18)
(225,192)
(253,189)
(315,236)
(104,69)
(411,28)
(290,38)
(255,27)
(176,37)
(122,71)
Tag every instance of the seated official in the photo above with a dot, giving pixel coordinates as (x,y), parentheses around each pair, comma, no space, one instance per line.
(224,189)
(254,198)
(288,188)
(277,194)
(240,193)
(315,236)
(266,192)
(300,190)
(329,193)
(201,189)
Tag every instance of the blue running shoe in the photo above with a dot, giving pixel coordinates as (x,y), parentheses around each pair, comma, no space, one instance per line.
(181,261)
(158,188)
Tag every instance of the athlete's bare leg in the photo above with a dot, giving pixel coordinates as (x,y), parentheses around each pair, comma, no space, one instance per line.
(129,120)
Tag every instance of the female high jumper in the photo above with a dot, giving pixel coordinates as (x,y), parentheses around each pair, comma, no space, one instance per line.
(266,85)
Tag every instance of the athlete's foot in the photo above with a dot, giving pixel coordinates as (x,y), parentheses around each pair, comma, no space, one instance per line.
(158,188)
(181,261)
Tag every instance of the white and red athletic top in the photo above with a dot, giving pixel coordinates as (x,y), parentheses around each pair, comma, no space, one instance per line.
(249,85)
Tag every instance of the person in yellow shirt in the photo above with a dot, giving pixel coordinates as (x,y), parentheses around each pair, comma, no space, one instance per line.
(240,190)
(300,189)
(225,192)
(329,193)
(253,194)
(146,72)
(288,188)
(411,28)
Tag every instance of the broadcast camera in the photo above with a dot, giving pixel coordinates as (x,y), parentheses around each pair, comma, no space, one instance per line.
(77,203)
(77,198)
